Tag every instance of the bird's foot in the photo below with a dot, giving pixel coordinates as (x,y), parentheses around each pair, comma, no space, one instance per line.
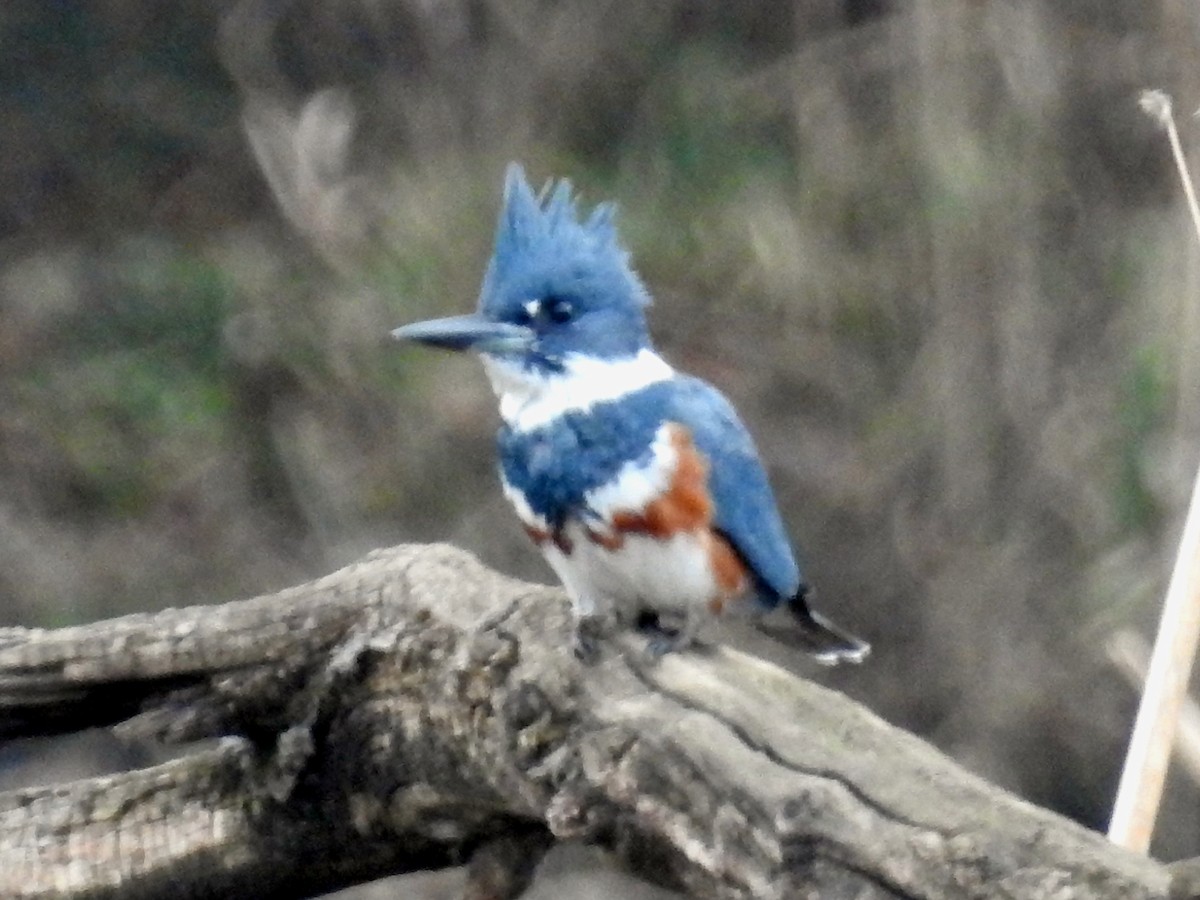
(659,645)
(588,631)
(662,639)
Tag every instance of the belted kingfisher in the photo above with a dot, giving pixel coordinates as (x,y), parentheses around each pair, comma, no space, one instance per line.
(639,484)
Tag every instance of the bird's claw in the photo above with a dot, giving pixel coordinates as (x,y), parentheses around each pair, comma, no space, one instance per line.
(586,644)
(660,645)
(662,639)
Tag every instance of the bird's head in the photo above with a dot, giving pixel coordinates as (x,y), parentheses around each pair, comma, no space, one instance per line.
(558,289)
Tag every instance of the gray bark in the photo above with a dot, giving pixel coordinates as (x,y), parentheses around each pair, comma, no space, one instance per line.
(417,709)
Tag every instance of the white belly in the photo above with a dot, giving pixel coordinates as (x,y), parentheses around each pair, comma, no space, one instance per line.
(671,575)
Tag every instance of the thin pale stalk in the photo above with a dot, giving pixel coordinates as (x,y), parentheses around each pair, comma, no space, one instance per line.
(1145,771)
(1130,653)
(1184,175)
(1142,779)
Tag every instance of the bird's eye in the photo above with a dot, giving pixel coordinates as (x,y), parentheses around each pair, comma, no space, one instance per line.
(558,310)
(554,310)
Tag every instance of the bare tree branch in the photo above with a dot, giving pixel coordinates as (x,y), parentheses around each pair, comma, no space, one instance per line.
(415,707)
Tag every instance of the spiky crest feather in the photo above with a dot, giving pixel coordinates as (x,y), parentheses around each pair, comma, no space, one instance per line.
(552,213)
(548,224)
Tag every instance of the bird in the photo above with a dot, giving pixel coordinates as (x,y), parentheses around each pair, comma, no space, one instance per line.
(639,484)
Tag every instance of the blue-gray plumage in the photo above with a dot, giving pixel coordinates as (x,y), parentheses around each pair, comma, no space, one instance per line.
(556,465)
(639,484)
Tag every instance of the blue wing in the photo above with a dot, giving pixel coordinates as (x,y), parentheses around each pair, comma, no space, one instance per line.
(746,512)
(556,465)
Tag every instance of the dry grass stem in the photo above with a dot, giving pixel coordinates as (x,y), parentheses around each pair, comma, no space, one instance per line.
(1142,779)
(1129,652)
(1157,105)
(1170,666)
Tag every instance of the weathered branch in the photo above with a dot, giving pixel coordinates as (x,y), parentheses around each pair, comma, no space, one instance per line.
(410,709)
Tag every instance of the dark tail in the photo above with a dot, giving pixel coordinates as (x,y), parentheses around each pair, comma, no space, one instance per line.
(825,642)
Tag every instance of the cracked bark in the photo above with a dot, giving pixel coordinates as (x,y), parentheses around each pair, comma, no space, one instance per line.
(414,708)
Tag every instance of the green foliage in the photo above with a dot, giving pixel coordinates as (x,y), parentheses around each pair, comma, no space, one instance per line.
(136,393)
(1144,393)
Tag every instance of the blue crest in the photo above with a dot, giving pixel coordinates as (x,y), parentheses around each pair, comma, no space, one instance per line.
(550,221)
(545,249)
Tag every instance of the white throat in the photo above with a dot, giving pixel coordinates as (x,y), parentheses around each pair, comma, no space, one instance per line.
(529,399)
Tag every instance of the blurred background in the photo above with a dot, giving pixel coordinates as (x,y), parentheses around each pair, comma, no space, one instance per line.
(933,251)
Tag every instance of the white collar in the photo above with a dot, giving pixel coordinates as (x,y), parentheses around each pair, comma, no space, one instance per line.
(530,399)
